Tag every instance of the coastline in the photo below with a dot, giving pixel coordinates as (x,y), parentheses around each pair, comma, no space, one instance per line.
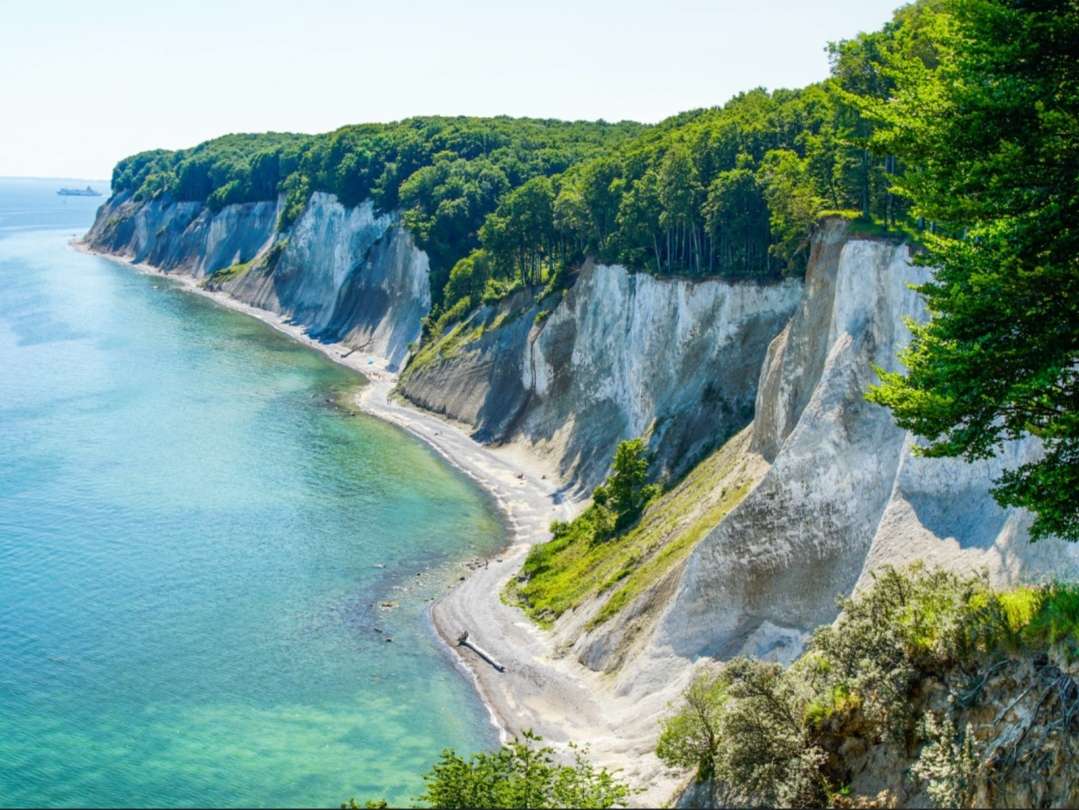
(541,689)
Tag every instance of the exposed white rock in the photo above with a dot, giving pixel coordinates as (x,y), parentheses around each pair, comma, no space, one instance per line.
(323,247)
(345,274)
(844,494)
(629,353)
(620,355)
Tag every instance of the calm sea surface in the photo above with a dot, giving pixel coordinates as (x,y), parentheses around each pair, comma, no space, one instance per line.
(194,542)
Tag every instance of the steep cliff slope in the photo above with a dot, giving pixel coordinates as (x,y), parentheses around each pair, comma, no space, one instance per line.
(844,492)
(841,492)
(344,274)
(619,355)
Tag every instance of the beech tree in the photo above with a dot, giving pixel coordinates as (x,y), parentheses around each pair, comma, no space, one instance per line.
(990,136)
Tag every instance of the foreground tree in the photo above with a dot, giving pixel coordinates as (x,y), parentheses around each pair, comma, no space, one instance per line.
(990,138)
(518,775)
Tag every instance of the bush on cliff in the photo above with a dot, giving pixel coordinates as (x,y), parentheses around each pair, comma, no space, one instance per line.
(903,670)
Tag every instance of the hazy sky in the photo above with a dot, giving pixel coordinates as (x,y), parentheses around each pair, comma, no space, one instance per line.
(86,83)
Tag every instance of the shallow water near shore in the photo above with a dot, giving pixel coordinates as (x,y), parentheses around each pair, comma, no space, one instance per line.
(195,542)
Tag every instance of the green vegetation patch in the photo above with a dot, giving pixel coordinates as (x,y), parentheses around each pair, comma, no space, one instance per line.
(449,335)
(774,736)
(448,344)
(520,774)
(579,564)
(230,273)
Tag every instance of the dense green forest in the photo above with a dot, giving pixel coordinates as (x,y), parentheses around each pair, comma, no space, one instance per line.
(733,191)
(990,132)
(445,174)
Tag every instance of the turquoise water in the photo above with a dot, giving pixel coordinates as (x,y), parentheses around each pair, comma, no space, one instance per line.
(193,544)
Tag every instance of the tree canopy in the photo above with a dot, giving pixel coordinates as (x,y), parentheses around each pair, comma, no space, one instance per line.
(989,131)
(519,774)
(444,174)
(733,191)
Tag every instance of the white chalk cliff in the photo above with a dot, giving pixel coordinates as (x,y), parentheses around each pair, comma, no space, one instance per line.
(619,355)
(344,274)
(843,493)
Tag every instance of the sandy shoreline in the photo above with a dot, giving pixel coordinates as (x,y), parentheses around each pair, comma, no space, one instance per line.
(540,690)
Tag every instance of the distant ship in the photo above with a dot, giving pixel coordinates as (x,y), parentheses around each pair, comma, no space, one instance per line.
(79,192)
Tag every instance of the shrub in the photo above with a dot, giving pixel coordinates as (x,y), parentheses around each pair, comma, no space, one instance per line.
(947,763)
(742,727)
(760,731)
(521,775)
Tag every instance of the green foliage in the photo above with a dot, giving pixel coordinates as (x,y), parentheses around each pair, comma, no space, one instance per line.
(1053,618)
(947,763)
(521,775)
(737,216)
(733,190)
(691,737)
(626,491)
(762,732)
(616,504)
(445,174)
(987,127)
(793,202)
(296,189)
(577,565)
(740,726)
(233,271)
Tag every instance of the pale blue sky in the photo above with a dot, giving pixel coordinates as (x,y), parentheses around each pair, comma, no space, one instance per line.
(86,82)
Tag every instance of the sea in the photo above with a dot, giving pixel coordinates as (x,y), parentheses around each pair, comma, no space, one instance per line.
(215,576)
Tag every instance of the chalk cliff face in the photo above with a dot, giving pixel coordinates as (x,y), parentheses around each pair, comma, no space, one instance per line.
(620,355)
(345,274)
(844,493)
(185,237)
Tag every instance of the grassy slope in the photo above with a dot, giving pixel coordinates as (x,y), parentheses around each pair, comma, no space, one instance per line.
(574,569)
